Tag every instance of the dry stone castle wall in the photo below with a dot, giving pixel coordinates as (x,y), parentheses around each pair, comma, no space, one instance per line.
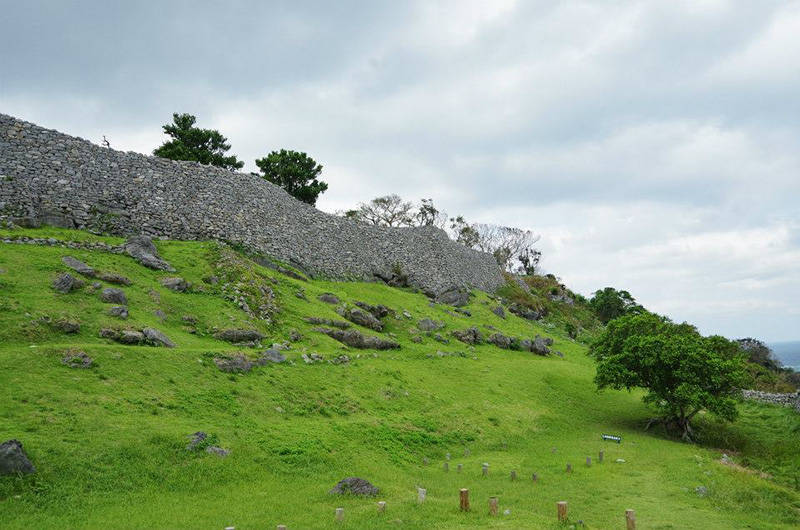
(53,178)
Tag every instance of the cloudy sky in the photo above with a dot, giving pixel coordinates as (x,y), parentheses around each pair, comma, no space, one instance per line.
(654,145)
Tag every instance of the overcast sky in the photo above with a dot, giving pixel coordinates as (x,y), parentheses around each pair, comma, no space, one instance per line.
(654,145)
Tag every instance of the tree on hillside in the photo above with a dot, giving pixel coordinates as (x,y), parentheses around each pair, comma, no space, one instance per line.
(759,353)
(507,244)
(681,371)
(295,172)
(609,304)
(188,142)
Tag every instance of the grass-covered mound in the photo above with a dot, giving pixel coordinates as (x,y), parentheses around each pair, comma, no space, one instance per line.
(109,441)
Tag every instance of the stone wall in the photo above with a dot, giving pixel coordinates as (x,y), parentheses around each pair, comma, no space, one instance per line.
(786,400)
(52,178)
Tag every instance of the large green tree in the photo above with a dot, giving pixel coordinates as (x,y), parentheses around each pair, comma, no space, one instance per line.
(188,142)
(295,172)
(681,371)
(609,304)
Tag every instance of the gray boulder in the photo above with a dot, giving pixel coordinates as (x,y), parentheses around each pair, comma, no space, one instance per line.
(67,283)
(235,336)
(271,356)
(123,336)
(119,311)
(501,341)
(453,298)
(156,337)
(499,311)
(328,298)
(113,277)
(378,311)
(471,335)
(76,359)
(341,324)
(236,364)
(538,345)
(195,439)
(177,284)
(526,313)
(13,459)
(142,249)
(67,326)
(354,486)
(218,451)
(112,295)
(361,318)
(79,266)
(426,324)
(356,339)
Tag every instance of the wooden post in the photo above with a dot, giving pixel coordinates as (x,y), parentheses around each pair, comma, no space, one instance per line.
(630,519)
(339,515)
(562,511)
(466,452)
(505,446)
(485,470)
(513,474)
(425,461)
(588,461)
(446,466)
(569,467)
(281,527)
(464,500)
(421,494)
(459,467)
(382,507)
(600,458)
(493,506)
(536,477)
(447,456)
(553,450)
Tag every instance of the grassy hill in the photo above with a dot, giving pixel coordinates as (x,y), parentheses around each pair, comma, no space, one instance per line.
(110,441)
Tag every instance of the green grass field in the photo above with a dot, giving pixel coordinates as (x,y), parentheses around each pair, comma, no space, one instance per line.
(109,441)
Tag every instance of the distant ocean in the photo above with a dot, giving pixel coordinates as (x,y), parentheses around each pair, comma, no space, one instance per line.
(788,353)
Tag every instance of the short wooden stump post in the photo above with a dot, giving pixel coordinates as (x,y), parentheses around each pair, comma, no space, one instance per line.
(485,470)
(447,456)
(493,506)
(513,474)
(425,461)
(569,467)
(630,519)
(339,515)
(505,446)
(562,511)
(536,477)
(459,467)
(463,497)
(446,466)
(422,493)
(281,527)
(382,507)
(466,452)
(588,461)
(600,457)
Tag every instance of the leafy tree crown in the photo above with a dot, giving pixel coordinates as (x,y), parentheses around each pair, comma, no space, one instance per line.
(188,142)
(295,172)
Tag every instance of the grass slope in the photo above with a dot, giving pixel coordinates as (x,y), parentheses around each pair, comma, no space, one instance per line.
(109,442)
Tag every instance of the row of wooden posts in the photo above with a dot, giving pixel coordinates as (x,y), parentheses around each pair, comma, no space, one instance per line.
(460,467)
(464,506)
(561,506)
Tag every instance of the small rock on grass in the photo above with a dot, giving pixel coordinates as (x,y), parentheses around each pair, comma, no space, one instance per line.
(13,459)
(67,283)
(76,359)
(112,295)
